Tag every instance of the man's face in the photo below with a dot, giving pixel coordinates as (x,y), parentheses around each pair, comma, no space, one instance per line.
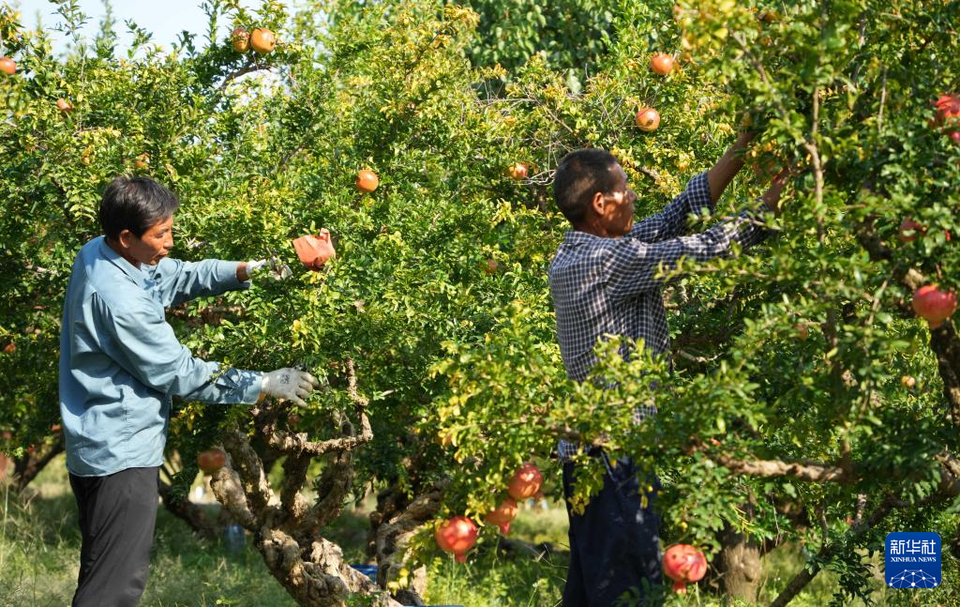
(617,214)
(154,245)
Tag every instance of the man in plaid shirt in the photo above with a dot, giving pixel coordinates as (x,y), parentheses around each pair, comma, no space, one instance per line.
(606,279)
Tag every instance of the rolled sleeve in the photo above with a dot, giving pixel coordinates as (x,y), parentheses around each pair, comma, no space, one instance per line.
(144,345)
(672,222)
(179,281)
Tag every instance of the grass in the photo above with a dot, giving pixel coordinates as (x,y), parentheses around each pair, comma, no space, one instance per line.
(40,546)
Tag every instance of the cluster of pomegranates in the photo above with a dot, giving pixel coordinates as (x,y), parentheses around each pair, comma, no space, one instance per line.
(261,40)
(458,534)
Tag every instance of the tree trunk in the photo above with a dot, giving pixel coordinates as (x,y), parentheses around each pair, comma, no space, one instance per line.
(288,528)
(193,515)
(394,526)
(739,565)
(26,468)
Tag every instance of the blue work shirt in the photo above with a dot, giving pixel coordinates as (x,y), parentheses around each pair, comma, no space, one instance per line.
(121,363)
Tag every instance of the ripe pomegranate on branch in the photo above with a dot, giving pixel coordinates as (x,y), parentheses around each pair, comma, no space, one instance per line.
(683,564)
(457,535)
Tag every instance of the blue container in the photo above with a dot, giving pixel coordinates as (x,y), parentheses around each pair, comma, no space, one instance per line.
(234,538)
(368,570)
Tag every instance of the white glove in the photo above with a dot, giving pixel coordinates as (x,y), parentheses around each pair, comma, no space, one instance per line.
(288,384)
(255,266)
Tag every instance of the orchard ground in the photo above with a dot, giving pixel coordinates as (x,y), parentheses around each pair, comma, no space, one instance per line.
(40,543)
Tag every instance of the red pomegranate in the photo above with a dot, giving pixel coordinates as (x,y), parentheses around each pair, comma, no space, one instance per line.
(457,535)
(662,63)
(934,305)
(367,181)
(211,460)
(683,563)
(525,483)
(503,514)
(948,115)
(910,229)
(314,251)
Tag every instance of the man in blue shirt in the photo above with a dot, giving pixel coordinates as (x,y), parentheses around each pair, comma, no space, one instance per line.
(120,367)
(606,279)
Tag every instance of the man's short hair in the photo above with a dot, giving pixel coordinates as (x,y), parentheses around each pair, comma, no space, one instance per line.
(135,204)
(582,174)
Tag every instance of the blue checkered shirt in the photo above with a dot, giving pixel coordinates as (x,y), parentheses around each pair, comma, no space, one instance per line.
(613,286)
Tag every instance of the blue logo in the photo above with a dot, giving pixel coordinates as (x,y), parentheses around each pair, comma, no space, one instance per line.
(912,560)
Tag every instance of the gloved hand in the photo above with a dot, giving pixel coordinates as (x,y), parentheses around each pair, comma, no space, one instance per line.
(255,266)
(288,384)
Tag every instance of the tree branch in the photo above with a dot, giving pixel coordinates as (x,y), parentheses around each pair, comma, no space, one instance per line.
(244,459)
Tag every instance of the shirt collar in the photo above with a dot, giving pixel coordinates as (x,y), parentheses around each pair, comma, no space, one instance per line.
(125,266)
(578,237)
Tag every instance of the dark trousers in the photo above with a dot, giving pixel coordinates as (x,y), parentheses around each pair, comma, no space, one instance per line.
(615,543)
(117,516)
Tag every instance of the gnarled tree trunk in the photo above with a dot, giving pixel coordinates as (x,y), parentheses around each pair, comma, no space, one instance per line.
(739,565)
(394,526)
(26,468)
(287,529)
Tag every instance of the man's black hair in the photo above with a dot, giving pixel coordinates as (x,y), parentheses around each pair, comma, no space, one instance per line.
(135,204)
(582,174)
